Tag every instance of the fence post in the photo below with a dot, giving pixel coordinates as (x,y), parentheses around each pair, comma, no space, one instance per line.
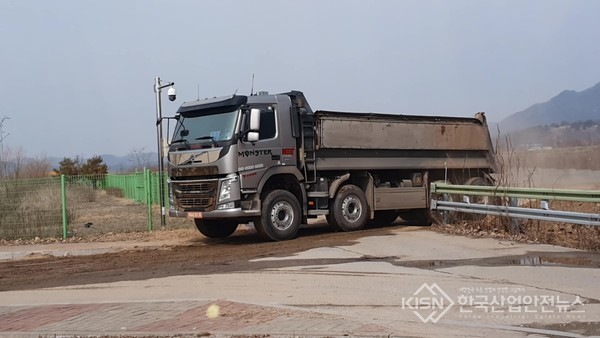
(63,191)
(147,191)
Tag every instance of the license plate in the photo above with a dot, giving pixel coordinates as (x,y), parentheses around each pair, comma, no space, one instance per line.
(194,215)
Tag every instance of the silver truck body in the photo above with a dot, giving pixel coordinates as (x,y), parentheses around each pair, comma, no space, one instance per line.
(351,167)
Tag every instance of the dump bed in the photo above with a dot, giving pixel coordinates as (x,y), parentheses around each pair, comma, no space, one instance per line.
(361,140)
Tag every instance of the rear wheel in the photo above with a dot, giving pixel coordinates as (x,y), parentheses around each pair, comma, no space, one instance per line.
(479,199)
(350,208)
(417,216)
(280,217)
(330,219)
(383,218)
(215,229)
(440,217)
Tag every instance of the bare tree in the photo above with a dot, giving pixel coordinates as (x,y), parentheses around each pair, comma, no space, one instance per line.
(12,161)
(36,167)
(140,158)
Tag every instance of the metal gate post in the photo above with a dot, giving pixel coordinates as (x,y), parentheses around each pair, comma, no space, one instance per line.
(63,192)
(148,195)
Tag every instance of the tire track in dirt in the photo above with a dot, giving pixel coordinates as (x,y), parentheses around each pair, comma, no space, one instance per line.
(203,256)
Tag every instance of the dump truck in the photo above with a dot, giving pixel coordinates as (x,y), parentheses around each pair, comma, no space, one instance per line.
(270,160)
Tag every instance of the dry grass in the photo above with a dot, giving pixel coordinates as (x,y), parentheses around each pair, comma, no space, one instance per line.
(529,169)
(533,231)
(583,158)
(110,214)
(36,211)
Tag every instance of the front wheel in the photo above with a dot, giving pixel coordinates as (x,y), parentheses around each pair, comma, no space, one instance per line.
(280,217)
(350,208)
(215,229)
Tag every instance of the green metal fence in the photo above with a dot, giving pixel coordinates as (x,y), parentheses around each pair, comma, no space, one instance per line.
(136,186)
(79,205)
(30,208)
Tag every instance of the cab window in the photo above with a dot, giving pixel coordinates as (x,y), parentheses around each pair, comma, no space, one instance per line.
(267,124)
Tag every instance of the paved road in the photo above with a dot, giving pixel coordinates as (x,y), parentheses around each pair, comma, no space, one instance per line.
(371,283)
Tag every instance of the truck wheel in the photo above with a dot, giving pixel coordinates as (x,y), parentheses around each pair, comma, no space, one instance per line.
(383,218)
(479,199)
(280,217)
(417,217)
(350,208)
(330,219)
(436,216)
(215,229)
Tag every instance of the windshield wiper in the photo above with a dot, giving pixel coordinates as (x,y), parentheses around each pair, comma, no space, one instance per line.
(214,142)
(181,140)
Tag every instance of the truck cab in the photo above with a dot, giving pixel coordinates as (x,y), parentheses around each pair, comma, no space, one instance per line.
(222,153)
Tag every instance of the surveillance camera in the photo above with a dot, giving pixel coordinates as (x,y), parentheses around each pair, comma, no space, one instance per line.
(172,94)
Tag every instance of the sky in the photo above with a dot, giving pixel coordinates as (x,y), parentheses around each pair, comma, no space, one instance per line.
(76,77)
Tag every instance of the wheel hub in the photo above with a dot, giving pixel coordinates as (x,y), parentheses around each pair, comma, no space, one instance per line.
(351,208)
(282,215)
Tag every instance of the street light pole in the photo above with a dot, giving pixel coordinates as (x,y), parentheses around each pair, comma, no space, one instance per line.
(159,139)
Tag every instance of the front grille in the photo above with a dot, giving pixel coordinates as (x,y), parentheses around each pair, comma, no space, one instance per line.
(195,196)
(198,203)
(197,188)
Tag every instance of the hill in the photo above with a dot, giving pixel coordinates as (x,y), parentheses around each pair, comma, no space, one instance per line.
(574,134)
(568,106)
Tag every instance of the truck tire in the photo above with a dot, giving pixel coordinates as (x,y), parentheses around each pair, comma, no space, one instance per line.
(215,229)
(383,218)
(350,208)
(478,180)
(417,217)
(280,217)
(330,219)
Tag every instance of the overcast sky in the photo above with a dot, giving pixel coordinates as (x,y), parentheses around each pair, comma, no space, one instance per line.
(76,76)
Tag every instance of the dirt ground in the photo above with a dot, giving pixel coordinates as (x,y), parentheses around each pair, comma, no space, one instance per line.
(193,255)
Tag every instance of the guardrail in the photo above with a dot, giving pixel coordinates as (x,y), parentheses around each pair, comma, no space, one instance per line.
(513,194)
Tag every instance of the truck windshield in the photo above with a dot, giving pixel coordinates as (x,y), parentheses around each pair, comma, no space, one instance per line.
(213,126)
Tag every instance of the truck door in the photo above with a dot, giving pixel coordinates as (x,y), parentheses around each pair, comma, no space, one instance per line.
(254,159)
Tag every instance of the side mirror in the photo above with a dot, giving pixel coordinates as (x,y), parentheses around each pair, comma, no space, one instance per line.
(184,133)
(253,136)
(254,119)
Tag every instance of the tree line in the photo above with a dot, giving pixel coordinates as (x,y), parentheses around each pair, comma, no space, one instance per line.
(15,164)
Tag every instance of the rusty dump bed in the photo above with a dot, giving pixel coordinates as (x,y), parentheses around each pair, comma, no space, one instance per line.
(386,141)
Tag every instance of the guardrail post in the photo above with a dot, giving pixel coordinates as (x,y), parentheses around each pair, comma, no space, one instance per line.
(514,222)
(446,213)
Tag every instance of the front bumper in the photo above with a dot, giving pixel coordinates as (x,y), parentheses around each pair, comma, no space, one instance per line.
(216,214)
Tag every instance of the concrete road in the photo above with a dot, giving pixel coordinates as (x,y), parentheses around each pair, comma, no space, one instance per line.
(409,281)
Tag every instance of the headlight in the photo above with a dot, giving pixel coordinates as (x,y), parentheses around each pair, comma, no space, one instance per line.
(225,192)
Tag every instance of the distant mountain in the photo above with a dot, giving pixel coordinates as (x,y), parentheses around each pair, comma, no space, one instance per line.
(568,106)
(566,134)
